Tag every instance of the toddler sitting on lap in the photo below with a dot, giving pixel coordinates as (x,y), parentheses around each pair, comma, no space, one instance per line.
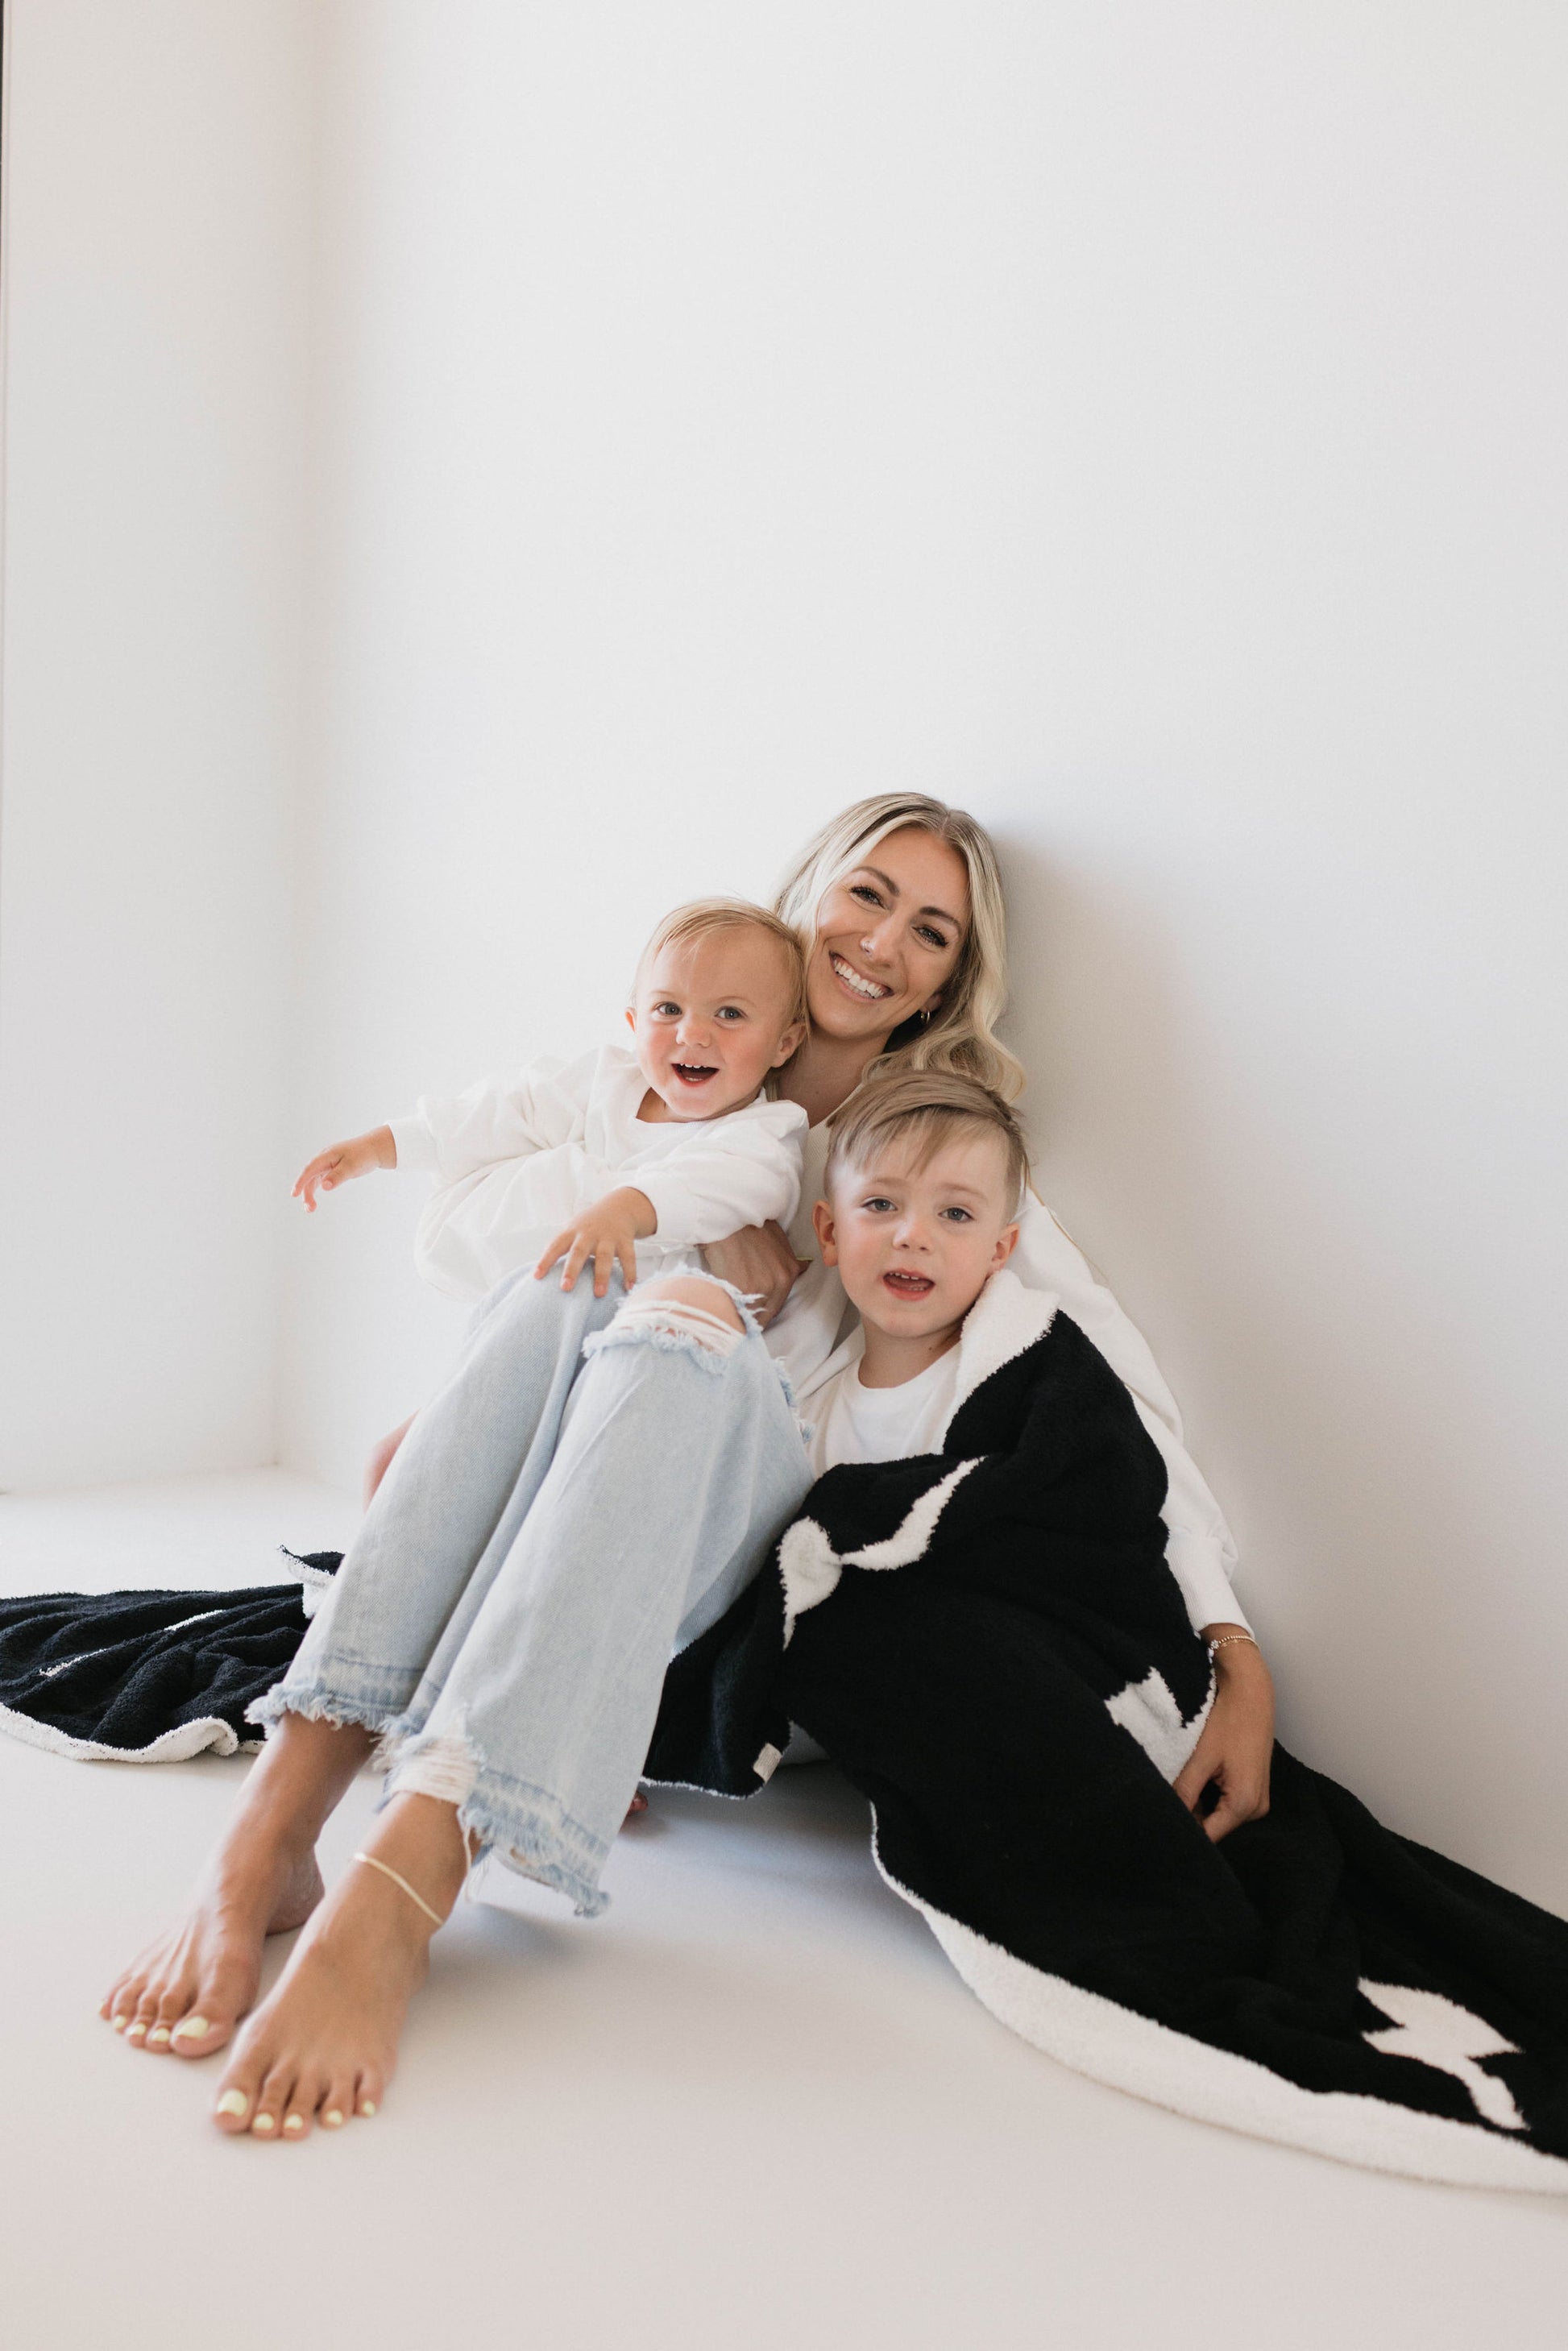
(631,1157)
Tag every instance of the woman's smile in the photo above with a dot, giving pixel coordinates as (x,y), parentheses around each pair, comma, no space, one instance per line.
(870,991)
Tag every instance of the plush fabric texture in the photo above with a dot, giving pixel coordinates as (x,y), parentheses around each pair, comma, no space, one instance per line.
(988,1643)
(149,1676)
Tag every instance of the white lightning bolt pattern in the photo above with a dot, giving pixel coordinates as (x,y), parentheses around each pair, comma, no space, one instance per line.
(811,1567)
(1438,2032)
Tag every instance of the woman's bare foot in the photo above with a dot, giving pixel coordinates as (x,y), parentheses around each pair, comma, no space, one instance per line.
(189,1990)
(322,2046)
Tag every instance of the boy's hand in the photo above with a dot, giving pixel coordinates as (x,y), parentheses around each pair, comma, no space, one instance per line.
(343,1161)
(608,1233)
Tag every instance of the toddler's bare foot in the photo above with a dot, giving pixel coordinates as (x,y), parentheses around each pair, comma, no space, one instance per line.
(188,1991)
(322,2046)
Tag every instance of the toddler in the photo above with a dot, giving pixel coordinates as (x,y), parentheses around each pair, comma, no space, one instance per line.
(923,1183)
(633,1156)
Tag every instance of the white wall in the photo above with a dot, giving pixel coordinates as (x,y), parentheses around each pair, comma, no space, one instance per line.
(1139,422)
(157,207)
(1143,425)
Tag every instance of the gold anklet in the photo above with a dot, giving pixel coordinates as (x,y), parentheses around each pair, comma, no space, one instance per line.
(434,1915)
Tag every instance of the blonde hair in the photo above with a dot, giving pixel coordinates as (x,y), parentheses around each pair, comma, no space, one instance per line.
(960,1036)
(934,1106)
(702,918)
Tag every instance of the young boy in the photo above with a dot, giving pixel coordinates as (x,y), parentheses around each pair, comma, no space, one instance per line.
(923,1182)
(967,1429)
(629,1158)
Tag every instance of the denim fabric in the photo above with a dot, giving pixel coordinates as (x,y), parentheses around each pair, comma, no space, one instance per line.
(507,1612)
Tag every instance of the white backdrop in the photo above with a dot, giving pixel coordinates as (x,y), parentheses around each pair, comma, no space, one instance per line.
(157,163)
(1139,422)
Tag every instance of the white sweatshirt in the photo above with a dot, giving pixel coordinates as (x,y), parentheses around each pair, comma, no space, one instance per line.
(518,1162)
(469,1239)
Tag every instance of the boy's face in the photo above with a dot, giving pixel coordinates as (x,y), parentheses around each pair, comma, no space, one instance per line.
(711,1018)
(915,1248)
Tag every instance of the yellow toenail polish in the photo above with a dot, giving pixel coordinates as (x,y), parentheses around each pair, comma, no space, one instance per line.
(294,2122)
(132,2032)
(160,2032)
(263,2124)
(118,2022)
(333,2119)
(232,2102)
(192,2028)
(367,2107)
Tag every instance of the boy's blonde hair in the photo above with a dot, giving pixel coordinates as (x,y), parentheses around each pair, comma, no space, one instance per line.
(961,1033)
(702,918)
(934,1107)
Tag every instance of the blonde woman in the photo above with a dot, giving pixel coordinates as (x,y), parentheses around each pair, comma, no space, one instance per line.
(596,1481)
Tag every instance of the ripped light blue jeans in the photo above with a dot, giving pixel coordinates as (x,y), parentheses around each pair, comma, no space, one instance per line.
(508,1607)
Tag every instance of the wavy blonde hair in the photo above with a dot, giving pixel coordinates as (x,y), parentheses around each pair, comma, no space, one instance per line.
(960,1036)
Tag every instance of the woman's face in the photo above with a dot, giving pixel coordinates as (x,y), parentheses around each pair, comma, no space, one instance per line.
(888,937)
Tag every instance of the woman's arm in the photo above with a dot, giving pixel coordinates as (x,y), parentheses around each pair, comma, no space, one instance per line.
(1236,1743)
(760,1263)
(1200,1548)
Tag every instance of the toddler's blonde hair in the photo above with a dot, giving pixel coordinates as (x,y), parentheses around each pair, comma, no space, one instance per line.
(702,918)
(933,1106)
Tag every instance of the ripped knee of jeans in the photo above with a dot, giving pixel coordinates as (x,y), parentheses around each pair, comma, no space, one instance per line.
(666,1314)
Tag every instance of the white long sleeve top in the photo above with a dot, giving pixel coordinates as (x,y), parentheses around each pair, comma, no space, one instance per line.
(478,1227)
(516,1161)
(817,1336)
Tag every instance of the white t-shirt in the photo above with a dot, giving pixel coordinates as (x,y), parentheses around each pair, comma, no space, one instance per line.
(517,1161)
(850,1422)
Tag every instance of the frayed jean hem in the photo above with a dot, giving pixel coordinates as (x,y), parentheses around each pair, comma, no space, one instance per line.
(376,1707)
(529,1830)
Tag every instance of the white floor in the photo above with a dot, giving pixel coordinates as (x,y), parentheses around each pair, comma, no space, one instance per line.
(752,2106)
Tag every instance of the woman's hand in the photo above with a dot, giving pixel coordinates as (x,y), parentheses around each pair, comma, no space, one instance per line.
(1236,1744)
(341,1162)
(608,1233)
(759,1262)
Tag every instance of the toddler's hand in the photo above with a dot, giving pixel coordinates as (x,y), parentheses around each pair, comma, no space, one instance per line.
(343,1161)
(608,1233)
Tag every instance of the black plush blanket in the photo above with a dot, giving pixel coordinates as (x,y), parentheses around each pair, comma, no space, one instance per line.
(988,1641)
(150,1677)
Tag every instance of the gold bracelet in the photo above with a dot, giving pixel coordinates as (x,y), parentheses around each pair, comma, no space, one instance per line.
(1226,1639)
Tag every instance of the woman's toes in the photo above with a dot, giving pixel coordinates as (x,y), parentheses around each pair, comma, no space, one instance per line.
(302,2109)
(239,2100)
(273,2101)
(196,2036)
(140,2024)
(232,2112)
(337,2102)
(367,2094)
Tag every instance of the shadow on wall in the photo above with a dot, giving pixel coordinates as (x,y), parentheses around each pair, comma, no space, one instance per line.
(1330,1387)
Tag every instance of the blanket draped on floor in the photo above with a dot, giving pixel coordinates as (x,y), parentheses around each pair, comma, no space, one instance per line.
(988,1641)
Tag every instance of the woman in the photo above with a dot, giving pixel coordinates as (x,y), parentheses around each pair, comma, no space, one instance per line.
(555,1526)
